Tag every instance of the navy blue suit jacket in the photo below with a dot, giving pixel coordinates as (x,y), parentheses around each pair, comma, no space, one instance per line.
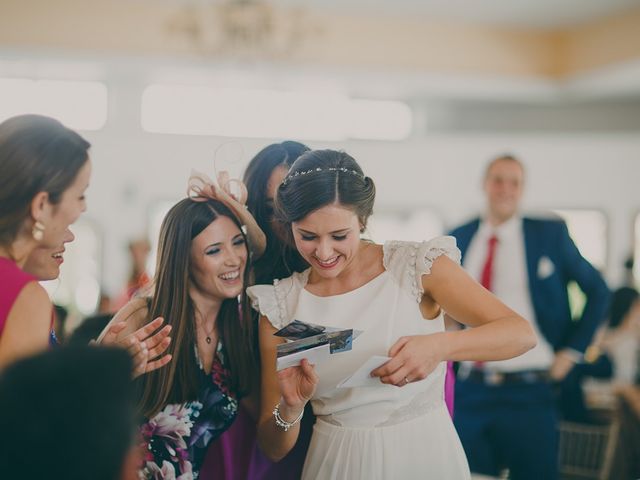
(549,296)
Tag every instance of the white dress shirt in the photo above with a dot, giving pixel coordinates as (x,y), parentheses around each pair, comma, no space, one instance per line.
(510,283)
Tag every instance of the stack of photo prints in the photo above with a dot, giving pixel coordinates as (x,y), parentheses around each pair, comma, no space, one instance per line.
(313,342)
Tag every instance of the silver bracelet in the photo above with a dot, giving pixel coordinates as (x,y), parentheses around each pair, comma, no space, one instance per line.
(281,422)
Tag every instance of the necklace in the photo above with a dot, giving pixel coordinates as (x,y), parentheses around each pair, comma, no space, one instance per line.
(209,333)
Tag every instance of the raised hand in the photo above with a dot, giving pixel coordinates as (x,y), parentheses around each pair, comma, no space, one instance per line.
(297,384)
(413,358)
(145,347)
(201,188)
(225,191)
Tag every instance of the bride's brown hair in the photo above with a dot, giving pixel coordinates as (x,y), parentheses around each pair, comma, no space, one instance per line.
(323,177)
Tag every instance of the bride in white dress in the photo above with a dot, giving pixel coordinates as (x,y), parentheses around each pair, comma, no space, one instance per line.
(398,427)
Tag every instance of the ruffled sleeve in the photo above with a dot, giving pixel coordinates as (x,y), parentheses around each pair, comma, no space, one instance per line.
(277,302)
(263,300)
(409,261)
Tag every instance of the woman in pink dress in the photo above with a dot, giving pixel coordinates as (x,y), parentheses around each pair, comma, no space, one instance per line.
(44,172)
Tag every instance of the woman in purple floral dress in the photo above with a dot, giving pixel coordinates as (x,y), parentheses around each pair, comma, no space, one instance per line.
(201,274)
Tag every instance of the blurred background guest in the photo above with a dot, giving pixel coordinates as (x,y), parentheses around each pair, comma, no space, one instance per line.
(506,413)
(138,278)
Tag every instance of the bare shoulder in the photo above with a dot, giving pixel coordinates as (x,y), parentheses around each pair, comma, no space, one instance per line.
(26,330)
(32,302)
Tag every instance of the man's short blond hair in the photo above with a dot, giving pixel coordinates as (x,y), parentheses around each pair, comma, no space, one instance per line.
(500,158)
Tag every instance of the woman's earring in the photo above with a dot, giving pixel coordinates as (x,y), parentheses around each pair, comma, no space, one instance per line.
(37,231)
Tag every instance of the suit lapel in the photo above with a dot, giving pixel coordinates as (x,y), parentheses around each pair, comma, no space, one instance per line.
(530,247)
(465,235)
(532,253)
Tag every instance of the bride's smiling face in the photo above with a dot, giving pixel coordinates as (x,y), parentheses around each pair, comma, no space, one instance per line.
(328,239)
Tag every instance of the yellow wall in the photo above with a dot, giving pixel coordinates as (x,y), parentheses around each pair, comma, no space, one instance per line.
(418,44)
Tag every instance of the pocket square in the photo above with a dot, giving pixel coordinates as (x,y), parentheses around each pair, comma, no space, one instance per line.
(545,268)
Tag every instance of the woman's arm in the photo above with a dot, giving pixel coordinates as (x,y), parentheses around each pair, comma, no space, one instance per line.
(26,330)
(256,237)
(498,332)
(290,388)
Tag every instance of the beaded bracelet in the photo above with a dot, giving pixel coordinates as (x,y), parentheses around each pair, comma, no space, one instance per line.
(281,422)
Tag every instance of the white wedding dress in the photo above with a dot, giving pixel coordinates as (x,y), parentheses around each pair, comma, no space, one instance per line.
(382,431)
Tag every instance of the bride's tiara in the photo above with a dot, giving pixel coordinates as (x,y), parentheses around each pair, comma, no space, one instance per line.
(300,173)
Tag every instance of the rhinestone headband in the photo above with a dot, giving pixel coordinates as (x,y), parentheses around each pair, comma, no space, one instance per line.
(300,173)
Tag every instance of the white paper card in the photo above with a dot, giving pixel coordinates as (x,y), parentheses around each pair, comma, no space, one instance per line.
(362,377)
(315,356)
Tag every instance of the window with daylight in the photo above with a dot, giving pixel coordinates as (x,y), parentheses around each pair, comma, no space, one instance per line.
(249,113)
(156,215)
(588,229)
(78,104)
(414,225)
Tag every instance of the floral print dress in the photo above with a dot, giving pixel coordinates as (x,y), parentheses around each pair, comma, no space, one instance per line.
(176,439)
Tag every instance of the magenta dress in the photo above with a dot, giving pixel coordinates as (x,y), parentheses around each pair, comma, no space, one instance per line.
(13,280)
(236,455)
(449,387)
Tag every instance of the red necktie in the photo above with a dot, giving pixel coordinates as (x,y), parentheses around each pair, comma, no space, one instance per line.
(487,270)
(487,275)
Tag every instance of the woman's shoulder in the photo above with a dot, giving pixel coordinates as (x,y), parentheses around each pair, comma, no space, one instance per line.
(31,301)
(12,273)
(406,252)
(26,323)
(275,301)
(14,280)
(295,281)
(408,261)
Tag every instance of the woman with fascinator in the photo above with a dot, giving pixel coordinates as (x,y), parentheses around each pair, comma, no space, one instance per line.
(199,284)
(236,456)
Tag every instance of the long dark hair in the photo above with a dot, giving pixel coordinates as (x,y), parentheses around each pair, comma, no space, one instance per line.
(37,154)
(280,259)
(178,381)
(322,177)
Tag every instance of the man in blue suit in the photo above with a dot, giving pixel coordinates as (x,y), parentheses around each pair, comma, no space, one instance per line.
(505,411)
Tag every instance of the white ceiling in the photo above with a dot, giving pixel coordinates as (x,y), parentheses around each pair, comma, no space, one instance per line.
(524,13)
